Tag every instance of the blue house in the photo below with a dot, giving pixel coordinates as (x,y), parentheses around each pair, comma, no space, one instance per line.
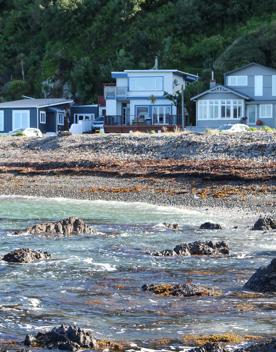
(82,118)
(49,115)
(249,91)
(142,97)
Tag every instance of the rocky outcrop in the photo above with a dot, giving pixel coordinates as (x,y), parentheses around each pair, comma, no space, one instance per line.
(169,226)
(210,226)
(209,347)
(70,338)
(196,248)
(66,227)
(268,346)
(25,255)
(264,223)
(185,290)
(264,279)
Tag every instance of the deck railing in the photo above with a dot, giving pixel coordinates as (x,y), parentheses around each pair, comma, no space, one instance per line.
(119,120)
(111,92)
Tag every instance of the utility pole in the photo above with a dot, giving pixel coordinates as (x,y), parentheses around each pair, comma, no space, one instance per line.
(182,108)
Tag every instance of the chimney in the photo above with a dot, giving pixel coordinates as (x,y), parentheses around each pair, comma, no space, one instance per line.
(213,82)
(156,63)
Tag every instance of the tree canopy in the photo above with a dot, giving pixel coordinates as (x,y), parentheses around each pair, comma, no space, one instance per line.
(77,43)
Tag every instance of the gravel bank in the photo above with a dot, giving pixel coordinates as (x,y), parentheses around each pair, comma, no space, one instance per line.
(237,170)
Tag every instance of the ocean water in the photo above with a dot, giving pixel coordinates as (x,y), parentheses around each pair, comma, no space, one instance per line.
(95,281)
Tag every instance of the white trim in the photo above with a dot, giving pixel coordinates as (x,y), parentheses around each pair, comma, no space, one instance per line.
(2,121)
(266,114)
(258,84)
(22,112)
(274,85)
(34,106)
(91,117)
(42,121)
(58,115)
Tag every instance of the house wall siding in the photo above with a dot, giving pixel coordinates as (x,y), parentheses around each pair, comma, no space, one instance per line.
(83,109)
(8,118)
(251,72)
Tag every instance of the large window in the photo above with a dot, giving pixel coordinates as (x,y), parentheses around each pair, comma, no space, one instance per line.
(266,111)
(161,115)
(145,84)
(237,81)
(20,119)
(142,114)
(1,120)
(220,109)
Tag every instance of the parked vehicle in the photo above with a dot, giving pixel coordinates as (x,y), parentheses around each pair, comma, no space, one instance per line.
(229,128)
(26,132)
(98,124)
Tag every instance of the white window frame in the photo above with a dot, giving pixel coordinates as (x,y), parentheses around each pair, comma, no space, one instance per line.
(16,112)
(60,113)
(211,109)
(146,84)
(274,85)
(266,111)
(42,117)
(237,81)
(259,86)
(2,121)
(89,117)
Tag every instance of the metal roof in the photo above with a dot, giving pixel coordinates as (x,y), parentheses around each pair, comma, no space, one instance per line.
(248,65)
(35,103)
(188,76)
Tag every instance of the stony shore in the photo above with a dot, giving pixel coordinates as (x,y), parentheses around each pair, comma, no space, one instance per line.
(189,170)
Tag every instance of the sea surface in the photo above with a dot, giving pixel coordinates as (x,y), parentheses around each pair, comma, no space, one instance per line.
(95,281)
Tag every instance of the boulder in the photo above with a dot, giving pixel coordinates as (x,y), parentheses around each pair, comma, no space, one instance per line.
(196,248)
(25,255)
(209,347)
(70,338)
(174,227)
(264,279)
(268,346)
(264,223)
(66,227)
(210,226)
(186,290)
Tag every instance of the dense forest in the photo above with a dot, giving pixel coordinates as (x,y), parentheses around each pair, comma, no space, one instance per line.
(69,47)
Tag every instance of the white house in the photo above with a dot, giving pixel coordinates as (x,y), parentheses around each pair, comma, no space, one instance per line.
(139,97)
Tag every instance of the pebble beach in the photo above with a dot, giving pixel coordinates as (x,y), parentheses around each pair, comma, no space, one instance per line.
(187,170)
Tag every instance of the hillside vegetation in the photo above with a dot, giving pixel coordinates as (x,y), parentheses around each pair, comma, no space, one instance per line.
(72,45)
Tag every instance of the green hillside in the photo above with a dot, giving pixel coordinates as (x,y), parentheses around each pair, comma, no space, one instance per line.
(72,45)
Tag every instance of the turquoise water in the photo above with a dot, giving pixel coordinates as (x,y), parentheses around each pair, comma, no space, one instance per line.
(95,281)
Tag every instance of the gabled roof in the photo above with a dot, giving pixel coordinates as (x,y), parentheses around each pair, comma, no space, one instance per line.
(221,89)
(35,103)
(248,65)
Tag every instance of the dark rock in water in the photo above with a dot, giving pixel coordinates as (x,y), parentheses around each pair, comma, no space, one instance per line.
(269,346)
(209,347)
(182,249)
(174,227)
(25,255)
(66,227)
(210,226)
(165,253)
(264,223)
(196,248)
(264,279)
(70,338)
(209,248)
(185,290)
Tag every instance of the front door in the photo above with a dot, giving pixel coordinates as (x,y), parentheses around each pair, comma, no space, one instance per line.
(252,114)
